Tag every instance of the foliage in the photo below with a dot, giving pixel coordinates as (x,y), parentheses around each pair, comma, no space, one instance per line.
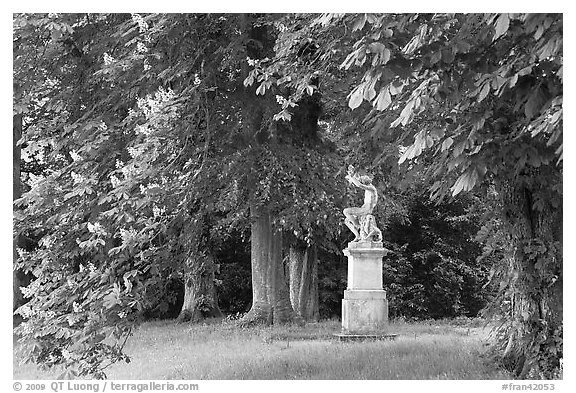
(436,69)
(123,112)
(234,283)
(472,100)
(332,276)
(118,202)
(432,271)
(143,125)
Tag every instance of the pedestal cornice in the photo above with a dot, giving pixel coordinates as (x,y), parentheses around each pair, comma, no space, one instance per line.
(371,249)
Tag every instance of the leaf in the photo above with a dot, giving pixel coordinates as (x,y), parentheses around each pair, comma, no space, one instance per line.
(127,284)
(115,250)
(408,154)
(356,97)
(437,133)
(383,100)
(283,115)
(371,18)
(435,58)
(110,300)
(376,47)
(498,82)
(382,53)
(70,195)
(459,148)
(347,63)
(405,115)
(261,89)
(548,50)
(249,80)
(396,87)
(153,191)
(447,143)
(369,90)
(502,25)
(421,141)
(359,23)
(484,92)
(131,273)
(361,56)
(512,81)
(67,374)
(465,182)
(525,71)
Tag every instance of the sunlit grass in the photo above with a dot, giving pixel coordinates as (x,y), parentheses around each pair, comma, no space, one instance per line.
(166,350)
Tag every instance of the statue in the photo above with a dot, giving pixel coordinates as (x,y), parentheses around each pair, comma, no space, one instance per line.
(360,219)
(364,307)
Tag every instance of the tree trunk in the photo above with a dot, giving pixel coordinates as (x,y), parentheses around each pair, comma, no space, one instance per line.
(303,268)
(534,347)
(200,299)
(270,295)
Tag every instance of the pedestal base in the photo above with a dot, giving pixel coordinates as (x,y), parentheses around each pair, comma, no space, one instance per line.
(342,337)
(364,311)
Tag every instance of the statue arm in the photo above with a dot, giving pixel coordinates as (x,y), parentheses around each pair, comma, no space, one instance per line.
(355,181)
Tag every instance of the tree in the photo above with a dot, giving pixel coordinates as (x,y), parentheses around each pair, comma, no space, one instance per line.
(303,272)
(113,197)
(481,96)
(295,161)
(199,292)
(128,121)
(28,91)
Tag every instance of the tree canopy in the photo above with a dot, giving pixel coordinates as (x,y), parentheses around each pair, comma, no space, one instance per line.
(473,99)
(135,165)
(160,135)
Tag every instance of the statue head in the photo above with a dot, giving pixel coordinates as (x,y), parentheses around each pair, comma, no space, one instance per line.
(365,179)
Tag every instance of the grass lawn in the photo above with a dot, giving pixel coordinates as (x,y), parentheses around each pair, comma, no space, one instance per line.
(166,350)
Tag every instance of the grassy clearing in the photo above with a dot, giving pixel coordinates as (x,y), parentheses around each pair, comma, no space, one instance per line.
(165,350)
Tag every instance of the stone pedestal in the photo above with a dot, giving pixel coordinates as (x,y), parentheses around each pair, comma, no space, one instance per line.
(364,307)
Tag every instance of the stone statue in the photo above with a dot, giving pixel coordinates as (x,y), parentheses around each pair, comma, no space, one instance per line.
(360,219)
(369,230)
(364,307)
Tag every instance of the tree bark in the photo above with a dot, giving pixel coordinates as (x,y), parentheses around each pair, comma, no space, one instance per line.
(200,298)
(534,344)
(270,295)
(303,268)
